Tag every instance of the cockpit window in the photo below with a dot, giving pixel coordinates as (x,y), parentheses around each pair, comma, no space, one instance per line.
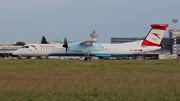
(25,47)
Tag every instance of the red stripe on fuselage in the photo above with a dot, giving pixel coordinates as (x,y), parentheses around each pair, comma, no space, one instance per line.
(33,46)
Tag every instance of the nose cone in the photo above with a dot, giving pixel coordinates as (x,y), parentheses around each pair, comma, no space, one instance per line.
(16,53)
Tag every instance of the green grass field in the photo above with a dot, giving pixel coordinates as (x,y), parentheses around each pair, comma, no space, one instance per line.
(75,80)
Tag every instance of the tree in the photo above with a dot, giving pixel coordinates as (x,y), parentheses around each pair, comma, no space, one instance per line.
(44,41)
(19,43)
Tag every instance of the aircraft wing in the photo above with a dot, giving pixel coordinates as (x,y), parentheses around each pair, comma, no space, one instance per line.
(87,43)
(85,46)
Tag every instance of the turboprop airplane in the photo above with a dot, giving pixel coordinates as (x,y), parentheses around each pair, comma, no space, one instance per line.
(90,49)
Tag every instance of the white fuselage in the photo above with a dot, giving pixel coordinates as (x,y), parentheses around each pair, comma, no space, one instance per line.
(107,50)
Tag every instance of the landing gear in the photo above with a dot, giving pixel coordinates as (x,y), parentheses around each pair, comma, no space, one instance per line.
(87,59)
(19,57)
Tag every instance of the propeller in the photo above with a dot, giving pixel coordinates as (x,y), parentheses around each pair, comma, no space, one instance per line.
(65,45)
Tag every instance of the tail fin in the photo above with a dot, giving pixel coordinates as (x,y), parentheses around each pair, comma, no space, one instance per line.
(155,35)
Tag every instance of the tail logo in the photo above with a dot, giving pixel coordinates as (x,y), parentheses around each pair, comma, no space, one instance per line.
(157,35)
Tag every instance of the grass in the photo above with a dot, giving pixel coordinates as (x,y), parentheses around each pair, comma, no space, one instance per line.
(63,80)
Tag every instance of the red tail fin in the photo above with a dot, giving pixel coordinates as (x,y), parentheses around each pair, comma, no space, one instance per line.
(155,35)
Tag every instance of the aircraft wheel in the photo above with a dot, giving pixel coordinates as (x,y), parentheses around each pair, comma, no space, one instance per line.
(19,57)
(85,59)
(89,59)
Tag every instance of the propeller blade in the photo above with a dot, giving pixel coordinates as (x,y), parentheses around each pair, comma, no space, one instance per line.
(65,45)
(65,40)
(66,50)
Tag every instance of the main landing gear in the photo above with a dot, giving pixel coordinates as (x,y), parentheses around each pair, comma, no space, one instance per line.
(87,57)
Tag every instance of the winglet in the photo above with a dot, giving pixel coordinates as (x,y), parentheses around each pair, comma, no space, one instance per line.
(155,35)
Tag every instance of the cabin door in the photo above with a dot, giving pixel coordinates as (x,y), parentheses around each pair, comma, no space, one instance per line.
(116,50)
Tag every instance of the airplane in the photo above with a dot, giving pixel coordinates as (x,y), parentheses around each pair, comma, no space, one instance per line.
(90,49)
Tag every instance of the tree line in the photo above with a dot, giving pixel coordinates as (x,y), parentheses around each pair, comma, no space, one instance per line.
(43,41)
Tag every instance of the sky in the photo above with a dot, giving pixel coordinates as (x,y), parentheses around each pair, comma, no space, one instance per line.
(29,20)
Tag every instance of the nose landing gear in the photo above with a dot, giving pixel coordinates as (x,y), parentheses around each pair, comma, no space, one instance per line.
(19,57)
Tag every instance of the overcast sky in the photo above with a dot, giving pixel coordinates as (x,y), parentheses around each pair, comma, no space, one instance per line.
(29,20)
